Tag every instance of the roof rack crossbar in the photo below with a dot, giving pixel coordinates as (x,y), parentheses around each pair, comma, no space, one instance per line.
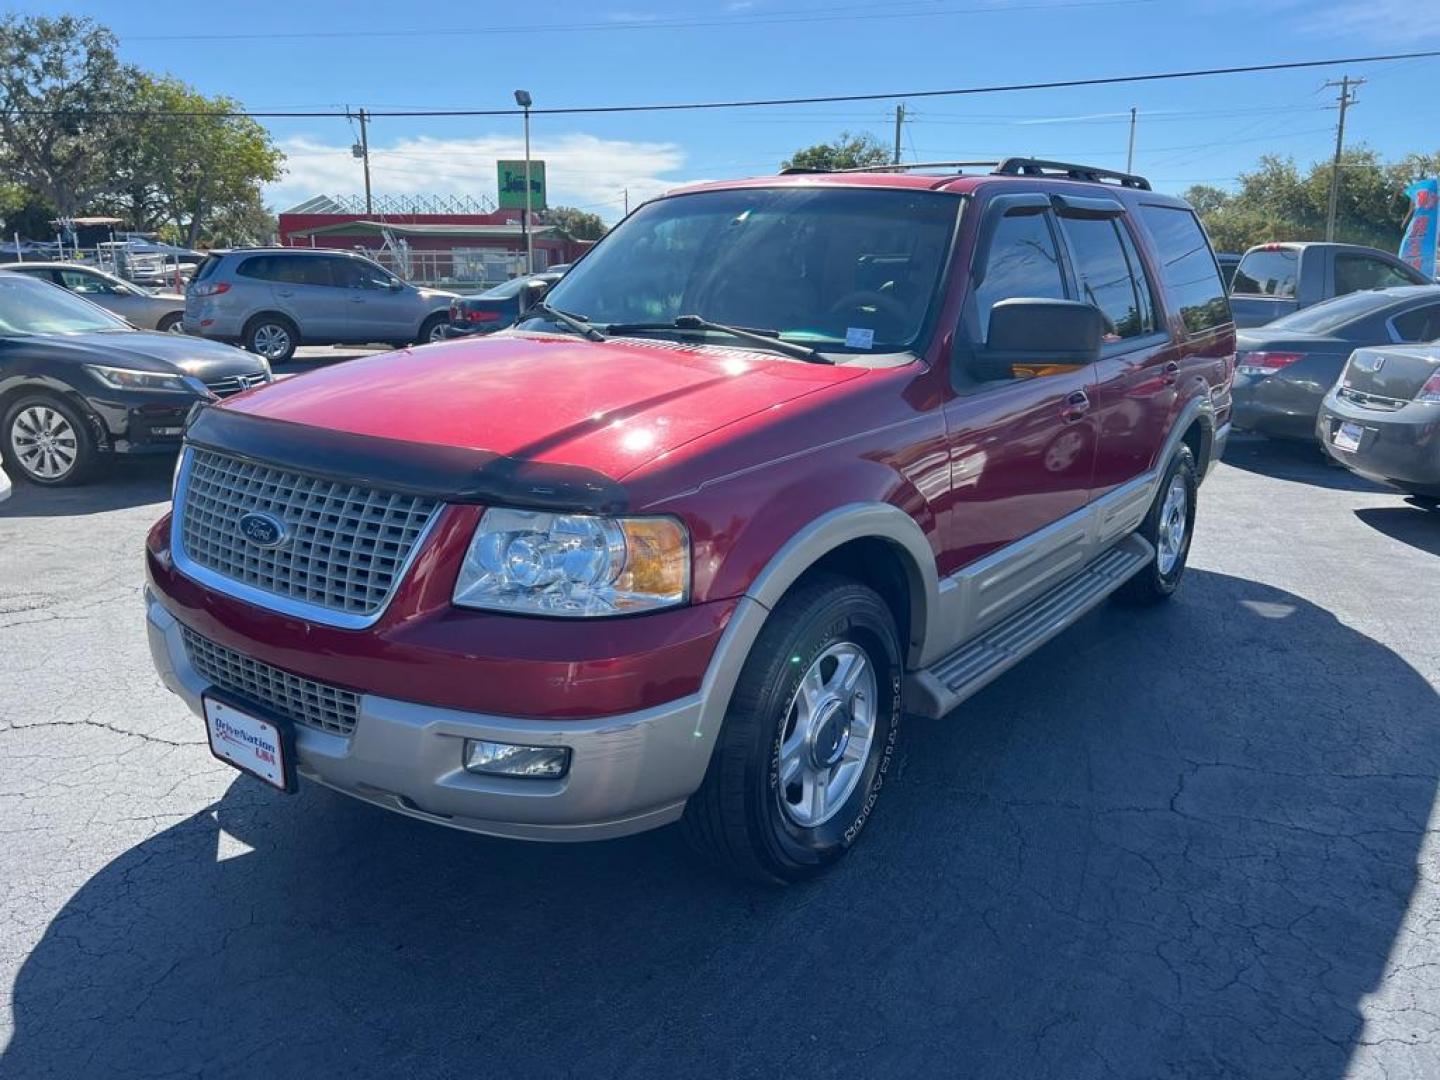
(901,167)
(1022,166)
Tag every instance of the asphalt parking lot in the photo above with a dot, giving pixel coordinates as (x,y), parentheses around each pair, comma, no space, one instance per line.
(1200,841)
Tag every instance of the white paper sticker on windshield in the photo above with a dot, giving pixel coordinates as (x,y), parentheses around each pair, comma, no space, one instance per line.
(859,338)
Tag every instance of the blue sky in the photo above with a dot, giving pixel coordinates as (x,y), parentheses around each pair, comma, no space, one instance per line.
(390,55)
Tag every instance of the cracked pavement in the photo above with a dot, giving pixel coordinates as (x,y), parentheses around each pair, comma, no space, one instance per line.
(1198,841)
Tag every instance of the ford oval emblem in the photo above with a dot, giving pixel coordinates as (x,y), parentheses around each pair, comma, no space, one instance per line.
(263,530)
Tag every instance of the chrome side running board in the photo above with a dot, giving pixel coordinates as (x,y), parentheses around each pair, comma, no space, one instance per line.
(936,690)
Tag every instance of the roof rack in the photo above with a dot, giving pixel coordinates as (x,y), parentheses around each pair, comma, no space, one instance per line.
(1064,170)
(902,167)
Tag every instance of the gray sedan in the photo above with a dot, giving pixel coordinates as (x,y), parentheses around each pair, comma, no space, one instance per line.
(1284,369)
(161,311)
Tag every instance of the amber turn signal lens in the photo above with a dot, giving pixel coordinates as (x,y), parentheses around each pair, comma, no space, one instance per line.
(657,558)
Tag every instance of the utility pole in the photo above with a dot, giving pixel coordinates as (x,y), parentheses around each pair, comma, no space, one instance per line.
(524,100)
(1130,153)
(361,150)
(899,119)
(1347,87)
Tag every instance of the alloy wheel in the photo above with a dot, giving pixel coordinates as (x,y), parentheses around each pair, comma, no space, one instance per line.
(826,734)
(1174,520)
(45,444)
(271,340)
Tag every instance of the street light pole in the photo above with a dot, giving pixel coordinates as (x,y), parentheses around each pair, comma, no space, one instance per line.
(523,99)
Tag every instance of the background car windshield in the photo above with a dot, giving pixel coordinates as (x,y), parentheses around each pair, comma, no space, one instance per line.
(844,270)
(37,307)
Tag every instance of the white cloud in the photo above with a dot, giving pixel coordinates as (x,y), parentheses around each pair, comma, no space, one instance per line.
(581,170)
(1378,20)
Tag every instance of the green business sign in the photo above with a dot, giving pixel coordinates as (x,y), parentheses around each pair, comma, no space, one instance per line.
(512,184)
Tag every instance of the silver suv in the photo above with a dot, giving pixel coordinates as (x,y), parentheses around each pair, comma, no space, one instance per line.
(271,300)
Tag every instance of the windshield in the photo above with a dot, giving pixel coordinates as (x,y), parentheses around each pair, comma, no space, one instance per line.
(1332,314)
(37,307)
(841,269)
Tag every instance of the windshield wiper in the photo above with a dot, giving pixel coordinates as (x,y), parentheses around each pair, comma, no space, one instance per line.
(579,325)
(769,339)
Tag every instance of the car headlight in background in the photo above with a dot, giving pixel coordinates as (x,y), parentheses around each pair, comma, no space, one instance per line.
(574,565)
(119,378)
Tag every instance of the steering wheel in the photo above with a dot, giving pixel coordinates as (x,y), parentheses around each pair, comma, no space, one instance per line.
(887,305)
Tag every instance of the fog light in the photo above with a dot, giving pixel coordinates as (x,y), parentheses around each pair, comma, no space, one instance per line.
(507,759)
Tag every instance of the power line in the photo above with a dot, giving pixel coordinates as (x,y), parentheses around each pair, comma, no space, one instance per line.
(998,88)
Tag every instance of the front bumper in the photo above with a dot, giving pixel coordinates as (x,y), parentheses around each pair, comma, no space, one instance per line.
(1400,448)
(628,773)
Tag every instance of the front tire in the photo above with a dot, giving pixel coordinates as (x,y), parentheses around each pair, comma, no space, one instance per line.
(432,329)
(48,441)
(808,738)
(1168,526)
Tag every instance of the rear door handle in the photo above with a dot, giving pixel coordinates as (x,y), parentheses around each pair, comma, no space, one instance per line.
(1171,372)
(1076,406)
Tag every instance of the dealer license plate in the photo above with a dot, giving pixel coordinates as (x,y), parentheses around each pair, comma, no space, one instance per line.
(1347,436)
(262,747)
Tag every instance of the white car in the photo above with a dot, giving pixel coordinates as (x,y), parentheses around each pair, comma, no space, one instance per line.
(4,485)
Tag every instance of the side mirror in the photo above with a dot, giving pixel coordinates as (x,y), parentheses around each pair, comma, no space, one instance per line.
(395,285)
(1028,336)
(532,292)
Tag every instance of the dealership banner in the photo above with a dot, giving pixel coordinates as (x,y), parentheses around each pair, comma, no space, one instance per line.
(1417,247)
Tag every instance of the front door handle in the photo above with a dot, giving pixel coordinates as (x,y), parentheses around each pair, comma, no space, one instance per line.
(1076,406)
(1171,372)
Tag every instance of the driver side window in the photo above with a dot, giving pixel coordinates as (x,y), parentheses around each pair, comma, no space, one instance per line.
(1023,262)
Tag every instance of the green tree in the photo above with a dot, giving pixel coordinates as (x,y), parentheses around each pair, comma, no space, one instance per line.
(575,224)
(849,151)
(60,84)
(189,161)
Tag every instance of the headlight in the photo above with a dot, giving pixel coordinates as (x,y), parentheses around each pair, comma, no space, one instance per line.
(574,564)
(120,378)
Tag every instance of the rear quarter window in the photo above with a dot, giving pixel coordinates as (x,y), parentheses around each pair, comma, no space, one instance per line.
(1269,272)
(1188,267)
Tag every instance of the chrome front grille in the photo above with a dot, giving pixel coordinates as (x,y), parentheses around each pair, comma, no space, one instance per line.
(233,384)
(339,557)
(302,700)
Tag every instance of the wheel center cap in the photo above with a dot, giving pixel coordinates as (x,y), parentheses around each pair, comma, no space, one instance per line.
(830,734)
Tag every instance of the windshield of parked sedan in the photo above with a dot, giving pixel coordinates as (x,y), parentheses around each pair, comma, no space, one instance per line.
(839,269)
(37,307)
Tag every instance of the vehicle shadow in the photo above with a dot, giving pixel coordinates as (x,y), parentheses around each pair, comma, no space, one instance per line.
(1410,525)
(1303,462)
(120,485)
(1174,844)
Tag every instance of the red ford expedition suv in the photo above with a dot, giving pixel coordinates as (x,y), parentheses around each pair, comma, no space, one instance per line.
(779,461)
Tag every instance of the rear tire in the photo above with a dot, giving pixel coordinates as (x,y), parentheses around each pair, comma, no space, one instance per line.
(171,324)
(808,738)
(1169,527)
(272,336)
(48,441)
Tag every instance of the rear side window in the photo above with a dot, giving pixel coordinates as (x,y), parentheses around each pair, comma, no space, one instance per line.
(1354,273)
(1188,267)
(1111,276)
(288,269)
(1268,272)
(260,267)
(1023,262)
(1419,324)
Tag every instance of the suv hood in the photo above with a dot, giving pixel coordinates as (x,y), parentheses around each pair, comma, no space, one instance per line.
(609,406)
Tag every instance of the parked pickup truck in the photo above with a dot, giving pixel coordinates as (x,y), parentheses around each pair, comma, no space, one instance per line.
(779,462)
(1275,279)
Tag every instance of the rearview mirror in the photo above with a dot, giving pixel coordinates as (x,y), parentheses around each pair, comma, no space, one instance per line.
(532,292)
(1030,336)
